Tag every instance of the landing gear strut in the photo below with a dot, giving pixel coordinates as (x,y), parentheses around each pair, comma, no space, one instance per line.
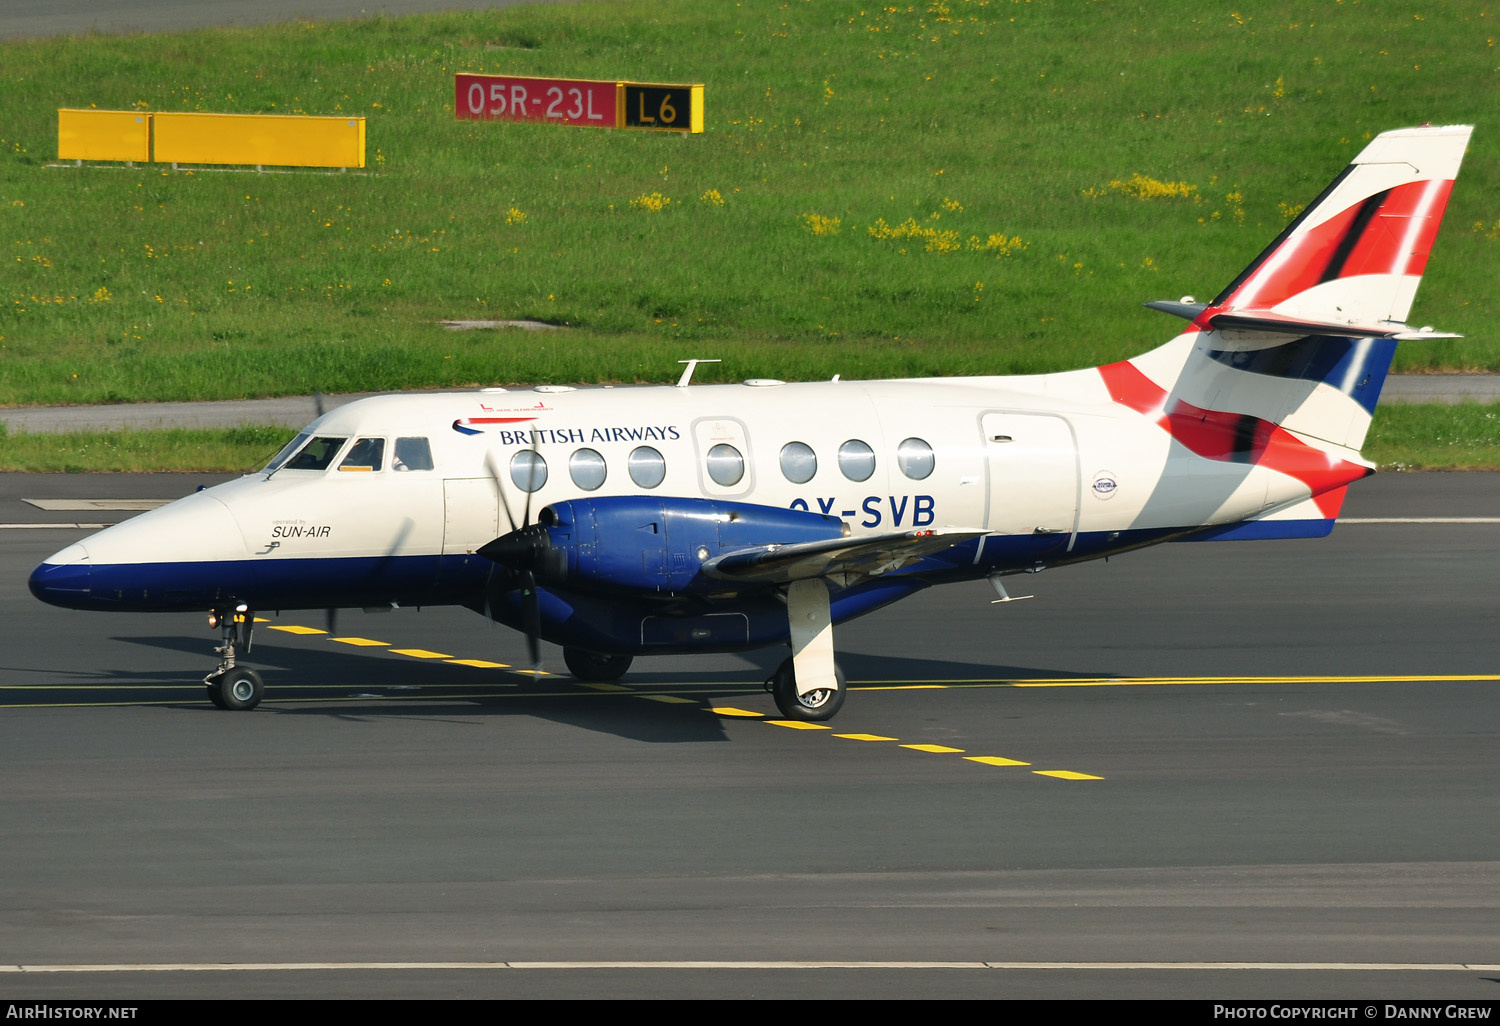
(231,686)
(594,667)
(809,685)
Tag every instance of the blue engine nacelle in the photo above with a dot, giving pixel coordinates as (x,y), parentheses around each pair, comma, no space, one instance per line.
(637,544)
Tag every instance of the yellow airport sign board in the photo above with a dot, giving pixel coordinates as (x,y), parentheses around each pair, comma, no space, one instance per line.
(103,135)
(282,139)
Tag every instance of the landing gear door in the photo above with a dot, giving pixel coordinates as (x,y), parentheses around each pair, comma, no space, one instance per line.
(1032,460)
(471,514)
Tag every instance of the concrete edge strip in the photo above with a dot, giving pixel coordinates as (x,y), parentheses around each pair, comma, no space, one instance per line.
(178,967)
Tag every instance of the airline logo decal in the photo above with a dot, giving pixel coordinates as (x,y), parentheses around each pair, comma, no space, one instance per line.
(1391,232)
(1234,437)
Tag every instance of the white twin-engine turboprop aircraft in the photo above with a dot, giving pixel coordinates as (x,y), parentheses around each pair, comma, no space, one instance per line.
(642,521)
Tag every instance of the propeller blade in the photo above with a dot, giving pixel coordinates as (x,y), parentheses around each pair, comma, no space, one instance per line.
(331,619)
(318,402)
(494,469)
(531,482)
(531,616)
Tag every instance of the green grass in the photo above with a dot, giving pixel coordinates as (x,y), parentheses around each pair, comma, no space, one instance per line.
(1403,437)
(223,450)
(979,118)
(1463,437)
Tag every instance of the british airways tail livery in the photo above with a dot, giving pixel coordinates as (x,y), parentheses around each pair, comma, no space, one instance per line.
(643,521)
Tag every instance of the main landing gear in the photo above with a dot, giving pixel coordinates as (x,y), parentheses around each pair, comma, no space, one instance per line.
(595,667)
(231,686)
(809,685)
(813,706)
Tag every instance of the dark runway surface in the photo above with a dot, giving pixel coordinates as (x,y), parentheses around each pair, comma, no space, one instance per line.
(1277,754)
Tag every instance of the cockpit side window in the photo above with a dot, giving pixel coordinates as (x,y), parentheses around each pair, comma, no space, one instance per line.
(316,455)
(367,454)
(412,454)
(286,450)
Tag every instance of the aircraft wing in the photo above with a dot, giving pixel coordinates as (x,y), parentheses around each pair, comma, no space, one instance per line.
(848,557)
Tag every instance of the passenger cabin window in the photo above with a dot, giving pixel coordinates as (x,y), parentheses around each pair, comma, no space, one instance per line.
(586,468)
(725,465)
(366,454)
(528,471)
(317,454)
(412,454)
(646,466)
(286,450)
(856,460)
(915,458)
(798,462)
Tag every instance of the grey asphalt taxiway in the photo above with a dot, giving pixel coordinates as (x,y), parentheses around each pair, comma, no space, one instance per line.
(1218,770)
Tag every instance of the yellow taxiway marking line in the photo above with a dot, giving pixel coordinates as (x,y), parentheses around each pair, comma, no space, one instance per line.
(669,699)
(728,710)
(865,737)
(483,664)
(939,749)
(995,760)
(1065,775)
(798,725)
(601,686)
(363,642)
(534,673)
(421,653)
(892,685)
(294,629)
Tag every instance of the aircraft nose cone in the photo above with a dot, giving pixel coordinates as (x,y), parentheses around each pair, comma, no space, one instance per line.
(63,578)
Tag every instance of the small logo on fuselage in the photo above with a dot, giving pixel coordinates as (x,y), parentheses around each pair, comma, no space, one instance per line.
(1105,485)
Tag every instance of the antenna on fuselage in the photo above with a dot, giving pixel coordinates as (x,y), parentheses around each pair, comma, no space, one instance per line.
(687,372)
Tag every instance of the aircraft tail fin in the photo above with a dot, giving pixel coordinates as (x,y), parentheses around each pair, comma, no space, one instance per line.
(1303,337)
(1284,367)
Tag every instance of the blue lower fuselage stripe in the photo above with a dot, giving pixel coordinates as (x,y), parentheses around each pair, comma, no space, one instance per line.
(597,620)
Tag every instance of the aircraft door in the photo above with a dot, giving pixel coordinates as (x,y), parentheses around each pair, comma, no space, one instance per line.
(1033,476)
(471,514)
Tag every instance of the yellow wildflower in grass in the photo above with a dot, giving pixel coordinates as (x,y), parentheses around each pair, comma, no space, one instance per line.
(712,198)
(999,244)
(945,240)
(101,295)
(1488,231)
(934,240)
(651,202)
(1289,210)
(820,225)
(1141,187)
(953,206)
(515,216)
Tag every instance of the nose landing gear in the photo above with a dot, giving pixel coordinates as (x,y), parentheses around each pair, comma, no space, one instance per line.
(231,686)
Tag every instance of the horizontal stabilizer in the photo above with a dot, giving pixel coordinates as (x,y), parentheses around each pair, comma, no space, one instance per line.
(858,557)
(1281,324)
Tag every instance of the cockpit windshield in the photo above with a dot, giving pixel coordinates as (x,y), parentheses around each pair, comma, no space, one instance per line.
(365,454)
(316,454)
(286,450)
